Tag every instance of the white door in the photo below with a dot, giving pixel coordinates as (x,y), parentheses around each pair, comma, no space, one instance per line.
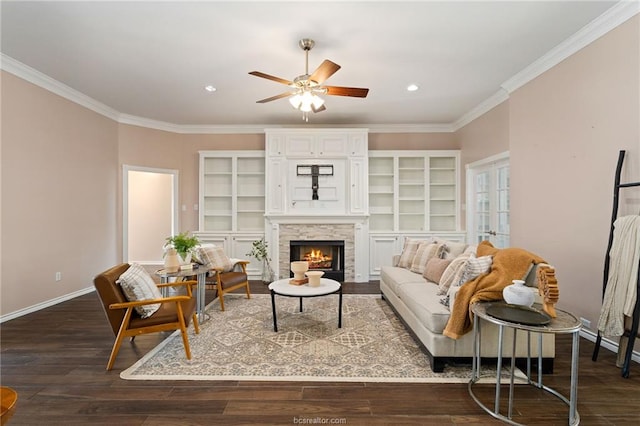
(488,201)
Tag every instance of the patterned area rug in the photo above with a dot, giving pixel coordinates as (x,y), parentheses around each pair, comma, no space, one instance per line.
(240,344)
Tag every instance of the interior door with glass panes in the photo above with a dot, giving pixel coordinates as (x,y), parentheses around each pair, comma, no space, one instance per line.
(488,201)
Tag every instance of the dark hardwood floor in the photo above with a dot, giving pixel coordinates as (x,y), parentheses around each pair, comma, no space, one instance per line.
(55,359)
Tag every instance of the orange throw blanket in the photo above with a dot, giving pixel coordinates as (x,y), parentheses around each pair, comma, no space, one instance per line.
(508,264)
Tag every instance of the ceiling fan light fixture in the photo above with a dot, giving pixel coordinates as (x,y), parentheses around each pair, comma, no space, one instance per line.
(295,101)
(317,101)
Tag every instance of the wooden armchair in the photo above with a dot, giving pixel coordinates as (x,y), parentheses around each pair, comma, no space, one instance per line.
(228,281)
(175,312)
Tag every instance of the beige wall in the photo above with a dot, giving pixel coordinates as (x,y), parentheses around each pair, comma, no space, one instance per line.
(564,130)
(59,171)
(62,172)
(409,141)
(485,136)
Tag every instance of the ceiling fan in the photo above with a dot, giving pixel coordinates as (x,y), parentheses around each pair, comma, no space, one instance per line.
(305,88)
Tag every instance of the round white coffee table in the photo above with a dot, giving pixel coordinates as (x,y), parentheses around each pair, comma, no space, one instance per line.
(283,288)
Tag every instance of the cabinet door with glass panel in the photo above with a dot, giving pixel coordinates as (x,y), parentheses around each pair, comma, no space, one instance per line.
(232,191)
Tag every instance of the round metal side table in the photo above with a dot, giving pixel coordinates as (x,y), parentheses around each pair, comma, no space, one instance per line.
(564,323)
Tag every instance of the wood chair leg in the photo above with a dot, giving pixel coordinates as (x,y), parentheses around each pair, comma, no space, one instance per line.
(221,296)
(196,324)
(183,330)
(247,289)
(119,338)
(114,352)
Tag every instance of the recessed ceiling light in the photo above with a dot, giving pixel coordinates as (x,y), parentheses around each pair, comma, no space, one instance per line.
(210,88)
(412,88)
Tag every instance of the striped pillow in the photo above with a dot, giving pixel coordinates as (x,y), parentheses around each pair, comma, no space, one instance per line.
(137,285)
(475,267)
(425,252)
(452,274)
(409,251)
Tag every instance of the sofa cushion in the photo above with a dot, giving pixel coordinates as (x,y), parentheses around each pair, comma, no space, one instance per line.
(435,268)
(425,252)
(423,301)
(396,276)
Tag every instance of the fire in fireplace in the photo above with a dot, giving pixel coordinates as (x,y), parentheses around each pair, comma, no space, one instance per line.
(322,255)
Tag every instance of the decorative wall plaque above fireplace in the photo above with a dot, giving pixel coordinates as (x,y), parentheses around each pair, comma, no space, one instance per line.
(322,255)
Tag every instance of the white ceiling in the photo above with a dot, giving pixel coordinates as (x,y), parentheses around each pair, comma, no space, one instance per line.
(153,59)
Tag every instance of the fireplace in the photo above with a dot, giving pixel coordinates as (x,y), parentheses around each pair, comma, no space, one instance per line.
(322,255)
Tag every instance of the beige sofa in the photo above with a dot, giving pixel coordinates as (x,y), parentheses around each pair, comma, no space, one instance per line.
(419,305)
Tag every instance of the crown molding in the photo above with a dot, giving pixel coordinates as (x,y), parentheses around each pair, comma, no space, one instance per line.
(482,108)
(613,17)
(260,128)
(188,128)
(25,72)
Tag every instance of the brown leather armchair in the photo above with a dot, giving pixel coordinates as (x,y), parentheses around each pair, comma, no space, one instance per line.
(229,281)
(175,312)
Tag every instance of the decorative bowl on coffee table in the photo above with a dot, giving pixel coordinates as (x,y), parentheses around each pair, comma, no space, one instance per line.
(299,268)
(314,278)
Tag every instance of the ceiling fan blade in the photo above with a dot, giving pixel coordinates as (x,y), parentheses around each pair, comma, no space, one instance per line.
(319,109)
(356,92)
(324,71)
(271,77)
(273,98)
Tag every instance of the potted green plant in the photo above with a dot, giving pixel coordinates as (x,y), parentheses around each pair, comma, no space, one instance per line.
(260,251)
(184,244)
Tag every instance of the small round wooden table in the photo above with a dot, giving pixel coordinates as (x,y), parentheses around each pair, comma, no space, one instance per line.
(283,288)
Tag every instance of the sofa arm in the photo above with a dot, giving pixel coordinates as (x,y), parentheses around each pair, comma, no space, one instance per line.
(395,260)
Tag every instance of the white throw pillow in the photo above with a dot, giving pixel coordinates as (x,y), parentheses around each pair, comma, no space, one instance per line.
(452,274)
(475,267)
(138,285)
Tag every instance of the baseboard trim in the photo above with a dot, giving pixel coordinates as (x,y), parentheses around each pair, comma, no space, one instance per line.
(47,303)
(607,343)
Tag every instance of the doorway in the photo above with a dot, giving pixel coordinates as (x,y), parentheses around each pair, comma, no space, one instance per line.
(488,201)
(150,212)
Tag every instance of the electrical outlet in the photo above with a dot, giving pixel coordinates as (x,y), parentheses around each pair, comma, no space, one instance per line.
(585,322)
(58,276)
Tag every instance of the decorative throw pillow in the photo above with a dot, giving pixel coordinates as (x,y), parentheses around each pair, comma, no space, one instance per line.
(454,249)
(215,257)
(198,255)
(470,250)
(425,252)
(137,285)
(452,274)
(435,268)
(409,251)
(475,267)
